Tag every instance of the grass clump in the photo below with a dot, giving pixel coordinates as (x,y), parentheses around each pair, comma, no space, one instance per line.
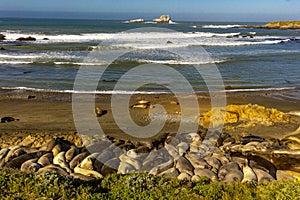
(16,185)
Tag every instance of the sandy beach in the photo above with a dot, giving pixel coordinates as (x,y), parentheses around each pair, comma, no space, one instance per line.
(51,113)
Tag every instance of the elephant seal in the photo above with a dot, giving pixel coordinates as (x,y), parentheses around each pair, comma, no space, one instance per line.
(125,168)
(207,173)
(14,152)
(197,161)
(263,176)
(170,173)
(110,167)
(53,168)
(282,175)
(184,166)
(225,169)
(4,152)
(48,146)
(82,177)
(88,162)
(162,167)
(30,166)
(87,172)
(78,159)
(8,119)
(249,174)
(56,149)
(182,148)
(213,162)
(105,156)
(221,157)
(46,159)
(71,153)
(233,176)
(17,162)
(184,177)
(60,160)
(172,151)
(134,162)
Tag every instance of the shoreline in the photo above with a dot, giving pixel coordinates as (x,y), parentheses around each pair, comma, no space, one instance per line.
(50,112)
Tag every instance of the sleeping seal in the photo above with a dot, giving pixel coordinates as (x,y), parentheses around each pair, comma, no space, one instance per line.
(87,172)
(30,166)
(249,174)
(60,160)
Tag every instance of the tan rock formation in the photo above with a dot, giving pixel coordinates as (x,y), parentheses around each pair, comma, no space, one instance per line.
(283,25)
(251,114)
(163,19)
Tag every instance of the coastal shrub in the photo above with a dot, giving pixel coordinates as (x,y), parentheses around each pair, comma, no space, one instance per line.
(17,185)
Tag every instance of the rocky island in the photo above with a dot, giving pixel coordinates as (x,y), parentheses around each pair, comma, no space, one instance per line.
(162,19)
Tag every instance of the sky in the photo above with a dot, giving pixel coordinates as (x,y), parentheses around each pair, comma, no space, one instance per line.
(200,10)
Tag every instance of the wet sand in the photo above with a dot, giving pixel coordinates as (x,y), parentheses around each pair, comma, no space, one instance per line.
(50,112)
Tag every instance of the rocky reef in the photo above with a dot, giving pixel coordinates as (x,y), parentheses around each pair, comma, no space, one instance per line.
(283,25)
(21,39)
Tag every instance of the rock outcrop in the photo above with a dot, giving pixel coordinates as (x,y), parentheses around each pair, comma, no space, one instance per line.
(283,25)
(249,115)
(2,37)
(26,39)
(162,19)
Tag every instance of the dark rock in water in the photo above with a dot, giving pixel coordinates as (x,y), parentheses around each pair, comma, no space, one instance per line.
(233,36)
(2,49)
(169,42)
(26,39)
(294,39)
(8,119)
(45,38)
(31,97)
(2,37)
(27,72)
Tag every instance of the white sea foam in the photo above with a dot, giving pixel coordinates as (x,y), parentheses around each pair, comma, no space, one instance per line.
(182,62)
(260,89)
(14,62)
(226,26)
(139,92)
(150,40)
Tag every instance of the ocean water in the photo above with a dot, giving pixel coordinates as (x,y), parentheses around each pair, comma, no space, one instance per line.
(247,59)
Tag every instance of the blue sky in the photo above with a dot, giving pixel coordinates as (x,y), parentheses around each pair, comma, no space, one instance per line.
(205,10)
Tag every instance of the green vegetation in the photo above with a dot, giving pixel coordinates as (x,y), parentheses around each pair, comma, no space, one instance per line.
(16,185)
